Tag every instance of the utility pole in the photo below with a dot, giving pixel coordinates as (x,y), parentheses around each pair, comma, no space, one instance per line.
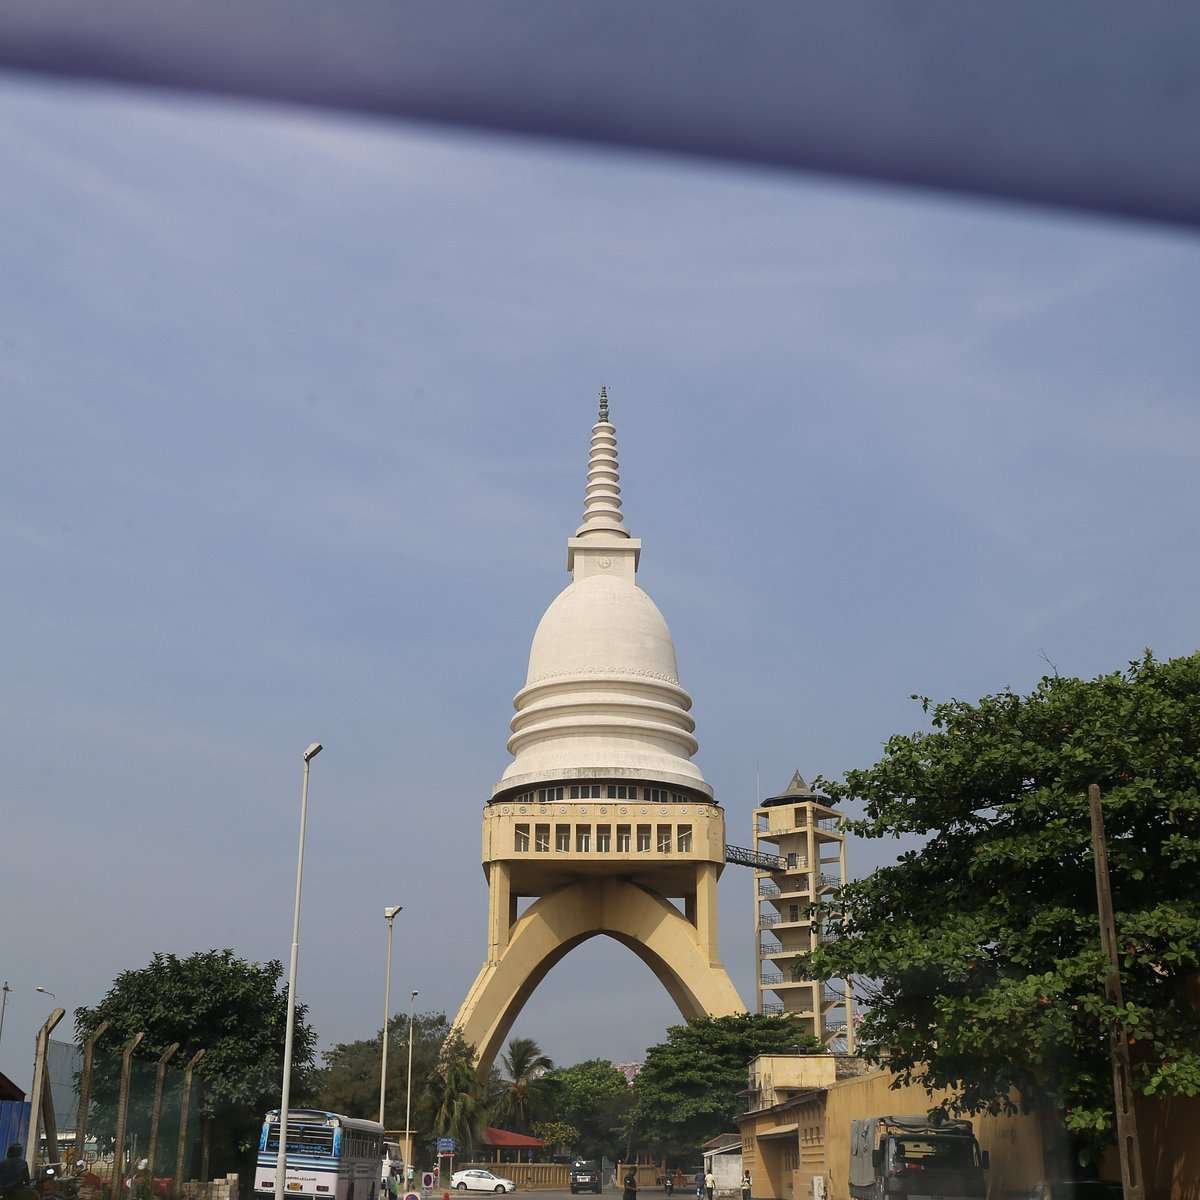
(412,1004)
(1128,1145)
(389,915)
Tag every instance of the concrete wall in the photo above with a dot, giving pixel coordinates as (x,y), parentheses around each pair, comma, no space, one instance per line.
(771,1072)
(213,1189)
(1014,1143)
(527,1176)
(727,1170)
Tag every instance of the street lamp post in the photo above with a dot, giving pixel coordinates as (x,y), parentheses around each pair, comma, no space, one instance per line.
(389,915)
(412,1002)
(3,1005)
(281,1160)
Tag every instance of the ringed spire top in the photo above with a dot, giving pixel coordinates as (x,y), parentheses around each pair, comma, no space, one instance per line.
(602,497)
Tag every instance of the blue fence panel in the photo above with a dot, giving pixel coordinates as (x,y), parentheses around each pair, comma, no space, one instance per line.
(14,1122)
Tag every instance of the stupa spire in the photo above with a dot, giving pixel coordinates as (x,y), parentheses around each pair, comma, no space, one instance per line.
(602,498)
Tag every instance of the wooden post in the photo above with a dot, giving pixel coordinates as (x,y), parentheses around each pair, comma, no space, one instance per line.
(185,1102)
(205,1142)
(122,1113)
(49,1120)
(40,1081)
(156,1112)
(1127,1135)
(85,1089)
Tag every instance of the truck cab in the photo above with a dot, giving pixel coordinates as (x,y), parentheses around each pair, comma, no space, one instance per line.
(911,1157)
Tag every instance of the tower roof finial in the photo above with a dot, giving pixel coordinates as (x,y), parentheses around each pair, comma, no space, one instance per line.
(602,498)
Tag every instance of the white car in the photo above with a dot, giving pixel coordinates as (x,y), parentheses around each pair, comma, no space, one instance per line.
(476,1180)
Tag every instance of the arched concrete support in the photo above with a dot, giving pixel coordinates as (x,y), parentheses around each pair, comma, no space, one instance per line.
(680,956)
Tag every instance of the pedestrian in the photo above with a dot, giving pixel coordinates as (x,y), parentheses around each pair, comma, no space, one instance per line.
(710,1185)
(699,1181)
(14,1172)
(630,1185)
(745,1185)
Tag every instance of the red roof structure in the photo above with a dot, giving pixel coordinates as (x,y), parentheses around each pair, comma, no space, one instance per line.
(505,1139)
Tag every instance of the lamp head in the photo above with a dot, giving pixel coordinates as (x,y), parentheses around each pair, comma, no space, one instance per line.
(313,751)
(392,910)
(45,992)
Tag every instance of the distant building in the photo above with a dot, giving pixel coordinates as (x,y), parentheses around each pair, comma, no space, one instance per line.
(805,834)
(629,1070)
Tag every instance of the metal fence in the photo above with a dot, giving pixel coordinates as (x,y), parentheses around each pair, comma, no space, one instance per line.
(135,1124)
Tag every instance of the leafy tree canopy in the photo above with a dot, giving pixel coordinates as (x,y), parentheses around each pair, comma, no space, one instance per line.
(461,1102)
(236,1011)
(349,1080)
(520,1101)
(597,1100)
(687,1089)
(556,1134)
(983,945)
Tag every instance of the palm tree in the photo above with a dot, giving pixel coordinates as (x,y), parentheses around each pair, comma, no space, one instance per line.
(460,1097)
(524,1064)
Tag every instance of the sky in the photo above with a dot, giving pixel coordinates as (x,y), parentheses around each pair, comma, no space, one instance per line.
(296,412)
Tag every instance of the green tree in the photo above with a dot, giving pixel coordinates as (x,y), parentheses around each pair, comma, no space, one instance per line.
(349,1079)
(558,1135)
(236,1011)
(461,1101)
(687,1089)
(982,946)
(524,1065)
(596,1099)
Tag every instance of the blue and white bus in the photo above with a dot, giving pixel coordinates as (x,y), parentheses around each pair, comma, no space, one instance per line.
(329,1157)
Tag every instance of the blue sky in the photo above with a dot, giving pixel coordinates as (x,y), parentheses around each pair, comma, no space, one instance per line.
(296,412)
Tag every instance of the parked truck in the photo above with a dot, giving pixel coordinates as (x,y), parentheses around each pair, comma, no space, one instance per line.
(915,1158)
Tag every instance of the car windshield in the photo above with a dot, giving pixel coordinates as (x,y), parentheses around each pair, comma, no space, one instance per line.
(933,1153)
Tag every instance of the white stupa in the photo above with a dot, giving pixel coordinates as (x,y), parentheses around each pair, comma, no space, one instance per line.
(602,694)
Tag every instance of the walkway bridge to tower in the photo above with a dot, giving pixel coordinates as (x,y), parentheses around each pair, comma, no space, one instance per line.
(742,856)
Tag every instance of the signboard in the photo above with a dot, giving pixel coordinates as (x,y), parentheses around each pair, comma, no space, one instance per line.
(428,1180)
(446,1145)
(411,1196)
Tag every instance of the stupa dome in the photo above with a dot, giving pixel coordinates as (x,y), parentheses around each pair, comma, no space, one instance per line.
(602,625)
(602,698)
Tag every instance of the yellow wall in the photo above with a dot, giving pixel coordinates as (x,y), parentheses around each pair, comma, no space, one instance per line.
(782,1168)
(1169,1131)
(1014,1143)
(770,1072)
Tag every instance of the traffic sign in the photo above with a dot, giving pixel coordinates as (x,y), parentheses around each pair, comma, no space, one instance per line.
(428,1179)
(411,1196)
(446,1145)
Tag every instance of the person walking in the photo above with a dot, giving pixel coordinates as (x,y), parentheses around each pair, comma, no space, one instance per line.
(745,1185)
(14,1173)
(699,1181)
(630,1185)
(710,1185)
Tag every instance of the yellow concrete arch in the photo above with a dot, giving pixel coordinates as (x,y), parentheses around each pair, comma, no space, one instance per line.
(679,953)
